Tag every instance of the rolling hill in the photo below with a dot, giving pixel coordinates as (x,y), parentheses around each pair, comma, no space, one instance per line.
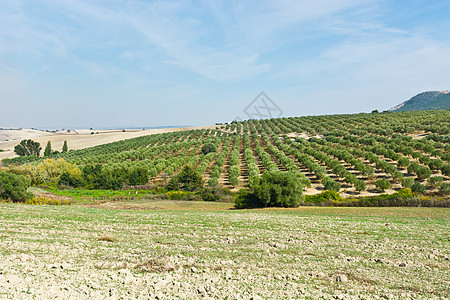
(426,101)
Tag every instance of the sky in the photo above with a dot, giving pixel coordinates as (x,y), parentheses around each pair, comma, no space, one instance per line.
(122,64)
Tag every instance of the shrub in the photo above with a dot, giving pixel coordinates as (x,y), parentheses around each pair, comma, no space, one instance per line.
(138,176)
(403,162)
(417,187)
(176,195)
(246,199)
(331,185)
(445,189)
(282,189)
(70,179)
(407,182)
(14,187)
(382,184)
(208,148)
(323,197)
(445,169)
(435,181)
(48,171)
(188,179)
(360,185)
(97,177)
(213,181)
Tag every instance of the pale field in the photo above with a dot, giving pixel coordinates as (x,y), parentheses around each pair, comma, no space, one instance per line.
(78,139)
(198,250)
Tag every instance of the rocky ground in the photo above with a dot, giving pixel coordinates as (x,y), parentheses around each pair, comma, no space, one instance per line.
(316,253)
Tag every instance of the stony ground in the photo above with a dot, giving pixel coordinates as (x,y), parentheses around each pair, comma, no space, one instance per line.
(330,253)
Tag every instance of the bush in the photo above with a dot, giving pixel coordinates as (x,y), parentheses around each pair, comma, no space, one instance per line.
(360,185)
(403,162)
(417,187)
(382,184)
(97,177)
(407,182)
(215,194)
(281,189)
(138,176)
(445,189)
(188,179)
(208,148)
(48,171)
(176,195)
(323,197)
(213,181)
(70,179)
(331,185)
(246,199)
(14,187)
(435,181)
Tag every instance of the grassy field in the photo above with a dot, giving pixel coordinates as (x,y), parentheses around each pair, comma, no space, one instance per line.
(193,250)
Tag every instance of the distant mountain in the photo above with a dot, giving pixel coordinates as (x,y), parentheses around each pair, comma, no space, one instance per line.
(426,101)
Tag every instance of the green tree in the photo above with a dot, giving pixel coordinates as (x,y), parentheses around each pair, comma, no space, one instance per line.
(65,148)
(407,182)
(382,184)
(208,148)
(48,149)
(138,176)
(70,179)
(14,187)
(276,188)
(188,179)
(435,181)
(360,185)
(417,187)
(27,148)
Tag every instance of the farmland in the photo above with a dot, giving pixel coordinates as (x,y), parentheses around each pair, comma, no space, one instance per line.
(356,155)
(173,250)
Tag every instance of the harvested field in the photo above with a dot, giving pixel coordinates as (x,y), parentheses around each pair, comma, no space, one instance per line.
(76,139)
(200,250)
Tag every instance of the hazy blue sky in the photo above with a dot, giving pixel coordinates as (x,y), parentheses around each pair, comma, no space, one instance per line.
(66,64)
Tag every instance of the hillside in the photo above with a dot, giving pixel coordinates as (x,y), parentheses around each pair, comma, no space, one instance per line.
(425,101)
(351,154)
(77,139)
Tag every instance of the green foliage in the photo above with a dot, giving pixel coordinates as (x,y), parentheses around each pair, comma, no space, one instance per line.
(70,179)
(331,185)
(138,176)
(176,195)
(215,194)
(382,184)
(323,197)
(445,189)
(47,171)
(188,179)
(403,162)
(48,149)
(435,181)
(360,185)
(14,187)
(27,148)
(208,148)
(417,187)
(65,148)
(407,182)
(213,181)
(282,189)
(97,177)
(246,199)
